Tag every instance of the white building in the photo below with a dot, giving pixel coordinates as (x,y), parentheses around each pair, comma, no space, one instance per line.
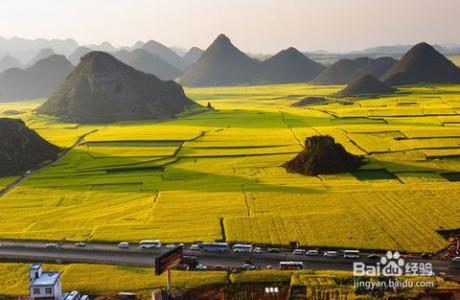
(44,285)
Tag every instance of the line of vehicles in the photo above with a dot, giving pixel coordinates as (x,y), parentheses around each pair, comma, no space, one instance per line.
(249,248)
(222,247)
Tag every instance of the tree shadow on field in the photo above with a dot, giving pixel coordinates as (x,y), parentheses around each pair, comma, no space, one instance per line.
(409,170)
(141,175)
(251,119)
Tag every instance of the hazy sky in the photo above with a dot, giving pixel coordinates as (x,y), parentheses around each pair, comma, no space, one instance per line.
(253,25)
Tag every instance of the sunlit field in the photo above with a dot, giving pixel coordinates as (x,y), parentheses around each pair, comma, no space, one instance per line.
(217,175)
(455,60)
(108,280)
(99,279)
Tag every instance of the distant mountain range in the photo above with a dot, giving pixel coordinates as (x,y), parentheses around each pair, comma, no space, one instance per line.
(192,56)
(402,49)
(224,64)
(24,49)
(42,54)
(347,70)
(147,62)
(77,54)
(37,81)
(8,62)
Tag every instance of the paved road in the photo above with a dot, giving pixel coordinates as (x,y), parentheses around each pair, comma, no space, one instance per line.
(30,251)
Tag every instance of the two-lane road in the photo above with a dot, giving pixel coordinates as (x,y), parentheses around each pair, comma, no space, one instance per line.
(98,253)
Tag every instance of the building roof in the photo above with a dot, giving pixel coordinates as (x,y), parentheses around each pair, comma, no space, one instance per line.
(46,279)
(36,266)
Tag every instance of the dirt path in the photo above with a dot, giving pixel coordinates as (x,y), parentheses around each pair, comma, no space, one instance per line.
(28,174)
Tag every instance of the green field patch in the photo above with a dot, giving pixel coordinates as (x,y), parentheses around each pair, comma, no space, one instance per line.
(237,151)
(407,103)
(6,181)
(453,177)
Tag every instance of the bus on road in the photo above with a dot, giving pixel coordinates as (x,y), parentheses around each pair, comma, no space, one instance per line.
(291,265)
(214,247)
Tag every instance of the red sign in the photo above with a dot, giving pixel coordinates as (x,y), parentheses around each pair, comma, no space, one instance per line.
(168,260)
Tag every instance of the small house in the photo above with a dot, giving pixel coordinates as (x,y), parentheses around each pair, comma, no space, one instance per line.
(44,285)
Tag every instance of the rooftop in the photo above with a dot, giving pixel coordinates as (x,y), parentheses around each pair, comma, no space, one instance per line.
(36,266)
(47,278)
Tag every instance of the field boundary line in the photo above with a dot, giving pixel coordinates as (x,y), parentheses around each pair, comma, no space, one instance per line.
(246,200)
(283,118)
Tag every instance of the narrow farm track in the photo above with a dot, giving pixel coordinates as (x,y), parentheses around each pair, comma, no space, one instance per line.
(23,177)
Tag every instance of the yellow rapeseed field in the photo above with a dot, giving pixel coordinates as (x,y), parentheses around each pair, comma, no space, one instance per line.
(218,174)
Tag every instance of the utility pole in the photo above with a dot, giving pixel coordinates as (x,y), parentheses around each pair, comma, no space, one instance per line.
(168,282)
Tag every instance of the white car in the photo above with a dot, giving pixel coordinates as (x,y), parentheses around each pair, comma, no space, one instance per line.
(258,250)
(456,259)
(194,247)
(248,267)
(123,245)
(201,268)
(298,252)
(172,246)
(312,253)
(80,244)
(150,244)
(51,245)
(330,254)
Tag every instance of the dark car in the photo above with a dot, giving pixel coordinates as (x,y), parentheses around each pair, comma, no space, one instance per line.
(373,257)
(426,255)
(273,250)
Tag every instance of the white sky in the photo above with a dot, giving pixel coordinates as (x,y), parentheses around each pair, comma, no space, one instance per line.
(253,25)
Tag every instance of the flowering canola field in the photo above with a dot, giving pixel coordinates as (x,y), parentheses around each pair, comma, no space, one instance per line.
(217,175)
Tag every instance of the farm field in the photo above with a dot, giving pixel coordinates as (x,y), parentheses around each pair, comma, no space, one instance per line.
(108,280)
(217,175)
